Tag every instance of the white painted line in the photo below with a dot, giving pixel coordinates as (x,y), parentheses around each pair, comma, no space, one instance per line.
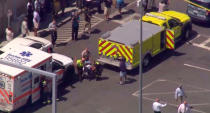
(166,93)
(136,94)
(178,83)
(203,104)
(205,42)
(195,38)
(148,85)
(197,67)
(174,105)
(161,80)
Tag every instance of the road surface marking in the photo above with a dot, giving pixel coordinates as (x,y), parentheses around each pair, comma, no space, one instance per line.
(148,85)
(195,38)
(201,45)
(203,104)
(178,83)
(205,42)
(166,93)
(197,67)
(174,105)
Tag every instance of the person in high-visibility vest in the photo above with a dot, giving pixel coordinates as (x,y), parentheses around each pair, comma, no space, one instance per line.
(97,70)
(79,68)
(43,90)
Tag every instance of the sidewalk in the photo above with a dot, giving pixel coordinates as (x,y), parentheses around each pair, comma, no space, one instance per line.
(43,31)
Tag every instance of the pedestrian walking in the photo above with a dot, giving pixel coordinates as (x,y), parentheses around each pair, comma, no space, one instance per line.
(9,33)
(122,71)
(80,4)
(99,6)
(184,108)
(88,4)
(179,93)
(120,4)
(63,6)
(150,4)
(36,21)
(114,3)
(163,5)
(107,8)
(75,25)
(87,18)
(24,27)
(30,11)
(42,9)
(156,106)
(37,6)
(86,54)
(53,30)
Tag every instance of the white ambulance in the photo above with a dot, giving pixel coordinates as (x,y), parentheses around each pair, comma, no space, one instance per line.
(19,87)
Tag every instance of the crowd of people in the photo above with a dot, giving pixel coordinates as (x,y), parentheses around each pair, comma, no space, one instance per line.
(180,95)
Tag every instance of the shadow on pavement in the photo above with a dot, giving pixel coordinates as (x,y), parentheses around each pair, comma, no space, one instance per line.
(103,78)
(201,24)
(130,81)
(119,16)
(95,31)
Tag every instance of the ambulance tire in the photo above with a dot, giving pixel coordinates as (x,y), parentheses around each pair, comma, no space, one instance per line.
(146,61)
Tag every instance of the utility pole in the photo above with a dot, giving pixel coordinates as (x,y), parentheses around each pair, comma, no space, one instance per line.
(140,59)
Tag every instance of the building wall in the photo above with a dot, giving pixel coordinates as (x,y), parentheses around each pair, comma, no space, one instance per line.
(18,8)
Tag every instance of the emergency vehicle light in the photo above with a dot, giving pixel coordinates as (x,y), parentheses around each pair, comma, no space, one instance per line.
(159,17)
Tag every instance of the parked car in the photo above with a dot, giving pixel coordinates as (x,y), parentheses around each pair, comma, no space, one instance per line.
(199,10)
(30,41)
(62,64)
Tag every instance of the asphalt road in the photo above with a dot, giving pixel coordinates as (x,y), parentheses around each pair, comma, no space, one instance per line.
(188,65)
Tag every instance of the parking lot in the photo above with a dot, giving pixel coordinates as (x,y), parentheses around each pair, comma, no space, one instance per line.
(165,90)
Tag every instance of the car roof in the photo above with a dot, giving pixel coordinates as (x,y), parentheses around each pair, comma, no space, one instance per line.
(122,34)
(29,40)
(22,55)
(39,39)
(66,61)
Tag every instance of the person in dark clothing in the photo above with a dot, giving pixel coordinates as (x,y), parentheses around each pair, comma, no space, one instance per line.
(75,26)
(63,6)
(48,6)
(53,29)
(107,8)
(30,15)
(80,4)
(99,6)
(88,4)
(122,71)
(87,21)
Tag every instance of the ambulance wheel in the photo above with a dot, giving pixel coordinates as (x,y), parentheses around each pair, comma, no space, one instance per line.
(146,61)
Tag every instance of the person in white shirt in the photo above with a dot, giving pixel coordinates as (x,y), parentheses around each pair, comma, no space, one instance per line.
(24,27)
(156,106)
(36,21)
(9,34)
(184,108)
(179,93)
